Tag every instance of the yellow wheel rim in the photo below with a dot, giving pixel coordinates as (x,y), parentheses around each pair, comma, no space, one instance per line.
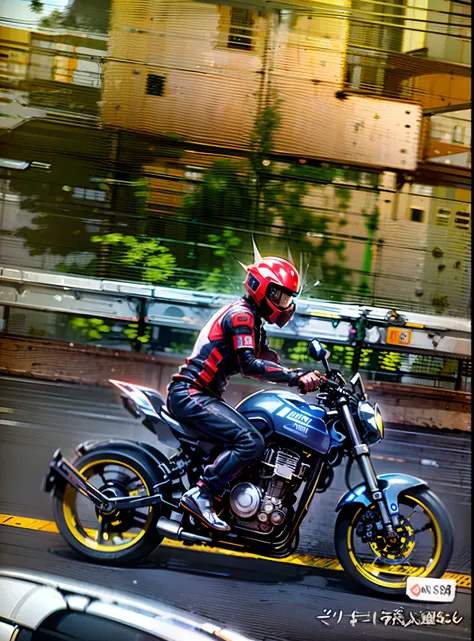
(371,572)
(88,536)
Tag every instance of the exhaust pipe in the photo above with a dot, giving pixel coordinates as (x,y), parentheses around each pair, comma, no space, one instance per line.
(174,530)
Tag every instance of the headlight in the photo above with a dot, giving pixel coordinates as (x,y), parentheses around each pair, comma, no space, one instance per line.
(371,420)
(379,420)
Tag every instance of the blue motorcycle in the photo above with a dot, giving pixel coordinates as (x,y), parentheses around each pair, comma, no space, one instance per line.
(119,499)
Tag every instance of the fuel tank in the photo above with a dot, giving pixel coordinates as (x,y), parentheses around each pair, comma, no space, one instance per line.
(289,415)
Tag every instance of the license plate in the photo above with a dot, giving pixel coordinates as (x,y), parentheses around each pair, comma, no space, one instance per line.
(426,589)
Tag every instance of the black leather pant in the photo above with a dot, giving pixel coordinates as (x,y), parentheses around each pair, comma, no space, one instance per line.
(241,441)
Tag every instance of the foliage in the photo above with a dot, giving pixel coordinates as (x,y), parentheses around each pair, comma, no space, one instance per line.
(261,145)
(372,220)
(223,195)
(390,361)
(132,333)
(55,20)
(96,328)
(36,6)
(276,343)
(91,328)
(90,15)
(154,259)
(299,352)
(440,302)
(266,123)
(221,278)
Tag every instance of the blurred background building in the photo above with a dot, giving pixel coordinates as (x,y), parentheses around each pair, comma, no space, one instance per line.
(144,141)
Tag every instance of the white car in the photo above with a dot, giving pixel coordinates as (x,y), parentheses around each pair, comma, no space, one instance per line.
(38,607)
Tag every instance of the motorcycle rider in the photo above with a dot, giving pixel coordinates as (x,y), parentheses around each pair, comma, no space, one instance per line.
(234,341)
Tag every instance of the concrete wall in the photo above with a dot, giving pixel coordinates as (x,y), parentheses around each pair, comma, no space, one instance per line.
(403,405)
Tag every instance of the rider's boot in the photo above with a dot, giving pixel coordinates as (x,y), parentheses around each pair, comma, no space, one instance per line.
(198,501)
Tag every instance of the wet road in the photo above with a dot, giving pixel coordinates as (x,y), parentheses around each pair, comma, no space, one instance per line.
(264,599)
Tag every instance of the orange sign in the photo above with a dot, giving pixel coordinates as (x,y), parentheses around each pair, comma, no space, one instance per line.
(398,336)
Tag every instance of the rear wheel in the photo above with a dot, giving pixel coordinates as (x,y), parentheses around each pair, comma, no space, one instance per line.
(117,538)
(424,548)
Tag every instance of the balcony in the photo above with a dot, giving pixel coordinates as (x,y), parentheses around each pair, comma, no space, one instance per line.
(407,76)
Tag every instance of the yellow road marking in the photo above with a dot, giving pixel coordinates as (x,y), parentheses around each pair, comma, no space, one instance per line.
(306,560)
(6,410)
(389,458)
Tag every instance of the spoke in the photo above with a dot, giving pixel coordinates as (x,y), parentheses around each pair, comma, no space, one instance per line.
(133,481)
(139,522)
(104,480)
(139,516)
(101,530)
(415,511)
(427,526)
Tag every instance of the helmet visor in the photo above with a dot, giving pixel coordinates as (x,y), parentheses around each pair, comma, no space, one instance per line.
(279,297)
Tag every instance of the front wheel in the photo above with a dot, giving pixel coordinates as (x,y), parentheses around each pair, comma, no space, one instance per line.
(424,548)
(118,538)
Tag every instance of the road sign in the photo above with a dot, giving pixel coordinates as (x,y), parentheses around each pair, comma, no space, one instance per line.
(398,336)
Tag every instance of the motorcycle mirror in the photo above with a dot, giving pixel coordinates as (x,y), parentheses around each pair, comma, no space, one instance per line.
(317,352)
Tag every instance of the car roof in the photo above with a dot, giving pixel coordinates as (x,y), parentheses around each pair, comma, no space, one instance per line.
(28,598)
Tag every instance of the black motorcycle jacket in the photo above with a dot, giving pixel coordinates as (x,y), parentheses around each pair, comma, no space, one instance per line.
(233,341)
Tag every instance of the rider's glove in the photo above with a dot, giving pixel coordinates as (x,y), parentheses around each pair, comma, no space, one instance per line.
(309,382)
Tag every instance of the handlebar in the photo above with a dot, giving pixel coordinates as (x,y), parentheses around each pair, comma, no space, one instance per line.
(324,382)
(329,383)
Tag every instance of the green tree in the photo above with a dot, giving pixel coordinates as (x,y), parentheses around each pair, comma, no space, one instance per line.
(261,145)
(148,260)
(224,276)
(36,6)
(90,15)
(223,195)
(302,226)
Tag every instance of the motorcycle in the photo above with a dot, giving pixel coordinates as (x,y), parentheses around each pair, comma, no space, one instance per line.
(119,499)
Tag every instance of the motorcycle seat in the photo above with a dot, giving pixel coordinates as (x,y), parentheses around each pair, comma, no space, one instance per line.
(184,430)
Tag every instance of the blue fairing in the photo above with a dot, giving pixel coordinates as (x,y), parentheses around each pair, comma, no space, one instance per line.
(392,485)
(289,415)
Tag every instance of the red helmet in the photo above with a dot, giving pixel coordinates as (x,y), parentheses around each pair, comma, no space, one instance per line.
(272,283)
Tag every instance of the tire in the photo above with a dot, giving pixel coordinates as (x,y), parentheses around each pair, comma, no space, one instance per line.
(444,541)
(129,553)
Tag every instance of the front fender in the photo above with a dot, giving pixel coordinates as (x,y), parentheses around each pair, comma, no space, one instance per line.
(391,484)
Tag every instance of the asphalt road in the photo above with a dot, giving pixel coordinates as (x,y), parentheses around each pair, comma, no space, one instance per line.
(267,600)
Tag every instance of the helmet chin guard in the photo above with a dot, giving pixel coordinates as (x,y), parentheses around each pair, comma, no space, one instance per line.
(272,283)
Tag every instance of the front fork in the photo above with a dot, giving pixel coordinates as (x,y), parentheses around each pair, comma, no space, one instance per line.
(361,454)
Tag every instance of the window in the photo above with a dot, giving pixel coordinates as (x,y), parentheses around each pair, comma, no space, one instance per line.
(443,216)
(379,34)
(240,31)
(237,28)
(417,215)
(458,134)
(155,85)
(421,190)
(89,194)
(462,219)
(78,626)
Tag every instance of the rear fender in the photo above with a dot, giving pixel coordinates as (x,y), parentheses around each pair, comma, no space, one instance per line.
(392,485)
(155,461)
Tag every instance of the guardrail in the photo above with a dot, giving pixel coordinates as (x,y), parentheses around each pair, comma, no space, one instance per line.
(181,308)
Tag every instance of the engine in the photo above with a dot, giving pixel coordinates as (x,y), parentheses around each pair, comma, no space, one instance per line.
(264,504)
